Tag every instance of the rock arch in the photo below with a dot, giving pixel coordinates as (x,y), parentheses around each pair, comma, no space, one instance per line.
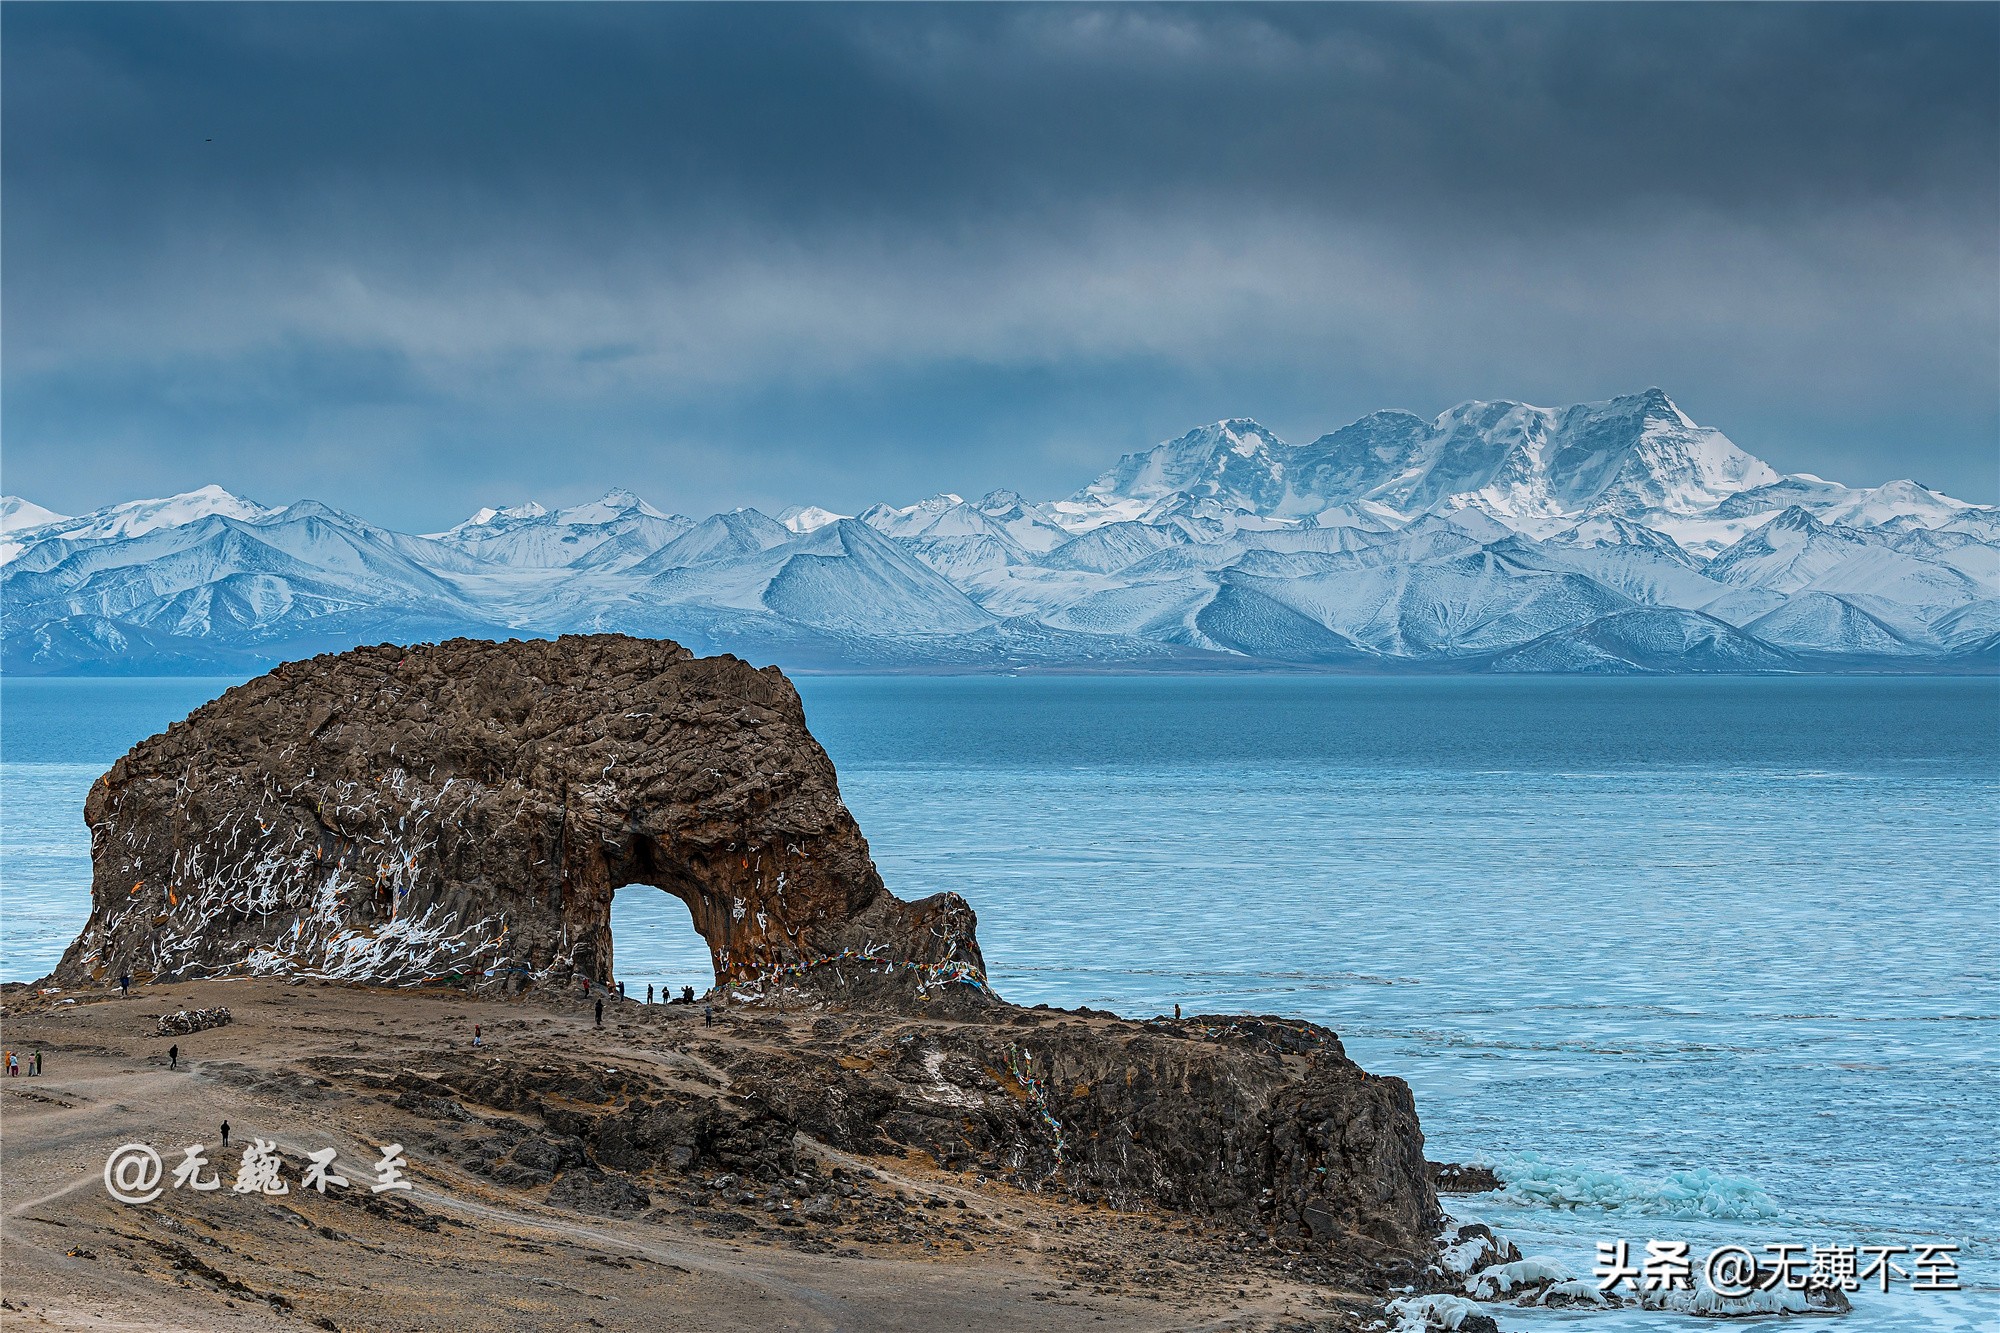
(466,809)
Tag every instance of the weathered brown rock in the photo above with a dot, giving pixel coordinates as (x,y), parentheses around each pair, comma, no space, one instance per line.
(466,809)
(1262,1122)
(1261,1125)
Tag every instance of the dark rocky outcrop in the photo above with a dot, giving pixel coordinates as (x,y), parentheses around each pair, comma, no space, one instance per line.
(1261,1126)
(466,809)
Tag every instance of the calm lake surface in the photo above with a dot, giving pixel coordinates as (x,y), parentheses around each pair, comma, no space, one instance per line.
(1702,959)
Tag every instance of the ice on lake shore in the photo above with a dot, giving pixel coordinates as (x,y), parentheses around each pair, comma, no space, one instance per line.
(1686,1195)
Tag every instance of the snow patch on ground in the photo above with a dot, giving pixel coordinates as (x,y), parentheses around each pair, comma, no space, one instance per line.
(1421,1314)
(1504,1279)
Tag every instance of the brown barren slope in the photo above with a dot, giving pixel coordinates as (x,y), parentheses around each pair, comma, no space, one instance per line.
(517,1221)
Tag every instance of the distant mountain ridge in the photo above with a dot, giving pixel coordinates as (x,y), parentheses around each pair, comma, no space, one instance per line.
(1609,536)
(1628,455)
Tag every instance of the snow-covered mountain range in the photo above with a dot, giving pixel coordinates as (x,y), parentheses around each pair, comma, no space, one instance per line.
(1612,536)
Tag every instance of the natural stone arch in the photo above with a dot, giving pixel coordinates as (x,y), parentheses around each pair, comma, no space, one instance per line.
(467,809)
(654,942)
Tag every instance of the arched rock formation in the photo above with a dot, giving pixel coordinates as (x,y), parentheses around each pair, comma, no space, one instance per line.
(466,809)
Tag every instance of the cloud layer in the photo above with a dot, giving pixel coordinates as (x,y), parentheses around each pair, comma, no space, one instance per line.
(412,259)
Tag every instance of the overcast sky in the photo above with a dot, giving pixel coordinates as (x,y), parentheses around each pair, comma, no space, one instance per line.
(411,259)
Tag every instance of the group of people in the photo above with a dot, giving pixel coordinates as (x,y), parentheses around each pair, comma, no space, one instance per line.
(685,997)
(14,1063)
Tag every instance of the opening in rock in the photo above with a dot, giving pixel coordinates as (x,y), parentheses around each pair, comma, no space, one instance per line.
(654,943)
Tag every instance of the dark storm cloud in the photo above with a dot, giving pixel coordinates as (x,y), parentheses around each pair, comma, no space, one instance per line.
(438,255)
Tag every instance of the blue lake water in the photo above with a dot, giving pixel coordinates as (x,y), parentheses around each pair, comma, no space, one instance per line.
(1641,929)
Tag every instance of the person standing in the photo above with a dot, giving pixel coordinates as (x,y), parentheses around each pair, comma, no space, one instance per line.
(600,1013)
(174,1056)
(649,993)
(475,1035)
(621,991)
(13,1065)
(125,986)
(225,1133)
(708,1015)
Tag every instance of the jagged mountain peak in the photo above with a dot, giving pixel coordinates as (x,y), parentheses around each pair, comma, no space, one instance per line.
(1514,460)
(1797,518)
(1236,460)
(1652,404)
(1467,537)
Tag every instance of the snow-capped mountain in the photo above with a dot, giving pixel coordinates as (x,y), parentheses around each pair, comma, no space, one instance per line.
(618,530)
(18,513)
(1610,536)
(1524,465)
(804,518)
(134,518)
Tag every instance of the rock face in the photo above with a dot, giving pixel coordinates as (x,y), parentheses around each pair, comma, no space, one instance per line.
(1260,1125)
(1262,1122)
(466,809)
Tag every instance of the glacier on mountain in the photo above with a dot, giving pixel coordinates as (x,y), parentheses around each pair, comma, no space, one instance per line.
(1613,536)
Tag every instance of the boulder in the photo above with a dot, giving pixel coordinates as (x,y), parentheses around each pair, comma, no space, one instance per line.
(463,811)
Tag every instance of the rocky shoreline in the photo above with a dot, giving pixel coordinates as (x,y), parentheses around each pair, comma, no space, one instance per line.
(869,1159)
(400,837)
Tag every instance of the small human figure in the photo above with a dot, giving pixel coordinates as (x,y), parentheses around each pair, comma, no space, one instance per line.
(38,1064)
(476,1041)
(13,1065)
(621,991)
(600,1013)
(1177,1013)
(225,1133)
(708,1015)
(649,992)
(174,1056)
(687,995)
(125,986)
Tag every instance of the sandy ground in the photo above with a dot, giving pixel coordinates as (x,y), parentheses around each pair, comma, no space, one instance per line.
(459,1251)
